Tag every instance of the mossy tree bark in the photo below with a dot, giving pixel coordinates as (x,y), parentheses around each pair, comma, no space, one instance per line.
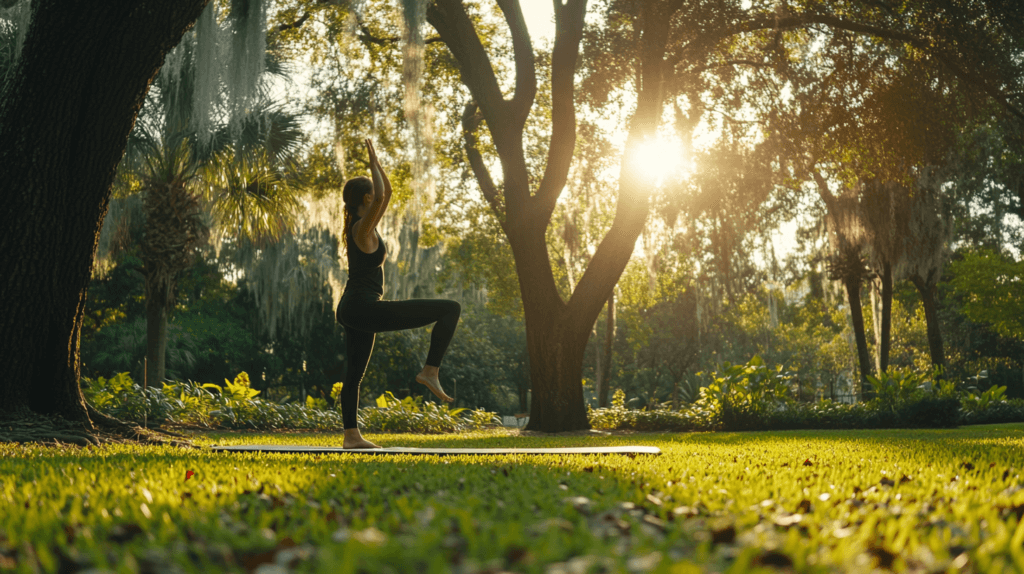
(77,87)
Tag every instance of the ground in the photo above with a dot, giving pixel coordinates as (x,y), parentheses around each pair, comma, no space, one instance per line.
(858,501)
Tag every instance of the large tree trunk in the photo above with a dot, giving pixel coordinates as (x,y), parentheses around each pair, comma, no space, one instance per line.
(928,290)
(557,350)
(81,78)
(605,359)
(852,285)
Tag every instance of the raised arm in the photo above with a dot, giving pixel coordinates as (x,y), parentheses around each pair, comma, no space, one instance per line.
(363,231)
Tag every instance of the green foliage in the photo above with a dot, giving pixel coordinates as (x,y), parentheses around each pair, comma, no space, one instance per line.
(991,286)
(990,406)
(618,417)
(744,396)
(120,397)
(899,386)
(755,397)
(974,403)
(413,414)
(236,406)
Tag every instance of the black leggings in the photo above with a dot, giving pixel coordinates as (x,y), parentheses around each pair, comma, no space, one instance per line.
(363,316)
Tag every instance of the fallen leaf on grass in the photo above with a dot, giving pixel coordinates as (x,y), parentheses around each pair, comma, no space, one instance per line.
(517,555)
(582,504)
(787,520)
(773,558)
(723,532)
(684,511)
(883,557)
(122,533)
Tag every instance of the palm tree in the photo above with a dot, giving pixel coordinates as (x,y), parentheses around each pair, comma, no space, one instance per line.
(205,165)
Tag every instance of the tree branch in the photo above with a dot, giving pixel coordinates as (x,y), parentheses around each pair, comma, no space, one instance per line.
(449,18)
(526,73)
(470,122)
(369,38)
(293,25)
(773,22)
(568,33)
(739,62)
(633,204)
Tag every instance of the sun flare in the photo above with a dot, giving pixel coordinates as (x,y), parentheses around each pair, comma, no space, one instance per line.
(660,160)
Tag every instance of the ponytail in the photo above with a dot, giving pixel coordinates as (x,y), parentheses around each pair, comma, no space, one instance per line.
(348,224)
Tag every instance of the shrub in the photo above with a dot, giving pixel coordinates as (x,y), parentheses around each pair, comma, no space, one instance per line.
(755,397)
(120,397)
(747,396)
(618,417)
(990,407)
(237,405)
(413,414)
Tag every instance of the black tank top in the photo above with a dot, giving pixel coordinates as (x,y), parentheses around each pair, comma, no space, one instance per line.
(365,270)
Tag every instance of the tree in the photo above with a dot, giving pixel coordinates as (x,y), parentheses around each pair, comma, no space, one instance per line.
(665,57)
(992,286)
(70,103)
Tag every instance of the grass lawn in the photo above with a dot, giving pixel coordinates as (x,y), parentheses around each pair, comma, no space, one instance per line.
(922,501)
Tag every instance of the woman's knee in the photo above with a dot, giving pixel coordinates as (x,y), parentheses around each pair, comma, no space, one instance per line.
(453,308)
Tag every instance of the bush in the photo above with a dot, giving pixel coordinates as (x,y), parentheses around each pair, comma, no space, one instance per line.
(236,405)
(618,417)
(990,407)
(755,397)
(746,396)
(120,397)
(413,414)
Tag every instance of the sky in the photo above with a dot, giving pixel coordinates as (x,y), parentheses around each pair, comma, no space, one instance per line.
(539,16)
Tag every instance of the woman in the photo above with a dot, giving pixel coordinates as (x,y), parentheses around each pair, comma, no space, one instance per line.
(363,313)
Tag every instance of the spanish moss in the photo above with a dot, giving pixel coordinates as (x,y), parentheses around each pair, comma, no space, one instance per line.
(207,66)
(14,20)
(247,60)
(418,115)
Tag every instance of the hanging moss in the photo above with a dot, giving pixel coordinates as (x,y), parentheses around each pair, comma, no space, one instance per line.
(207,65)
(247,60)
(14,20)
(289,281)
(419,116)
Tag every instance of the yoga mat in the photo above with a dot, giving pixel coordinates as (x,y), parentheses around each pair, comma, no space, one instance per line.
(298,448)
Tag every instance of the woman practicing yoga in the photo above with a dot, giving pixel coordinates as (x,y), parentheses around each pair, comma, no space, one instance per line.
(363,313)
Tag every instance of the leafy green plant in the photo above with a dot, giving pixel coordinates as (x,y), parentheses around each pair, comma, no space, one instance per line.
(979,402)
(413,414)
(120,397)
(743,396)
(618,417)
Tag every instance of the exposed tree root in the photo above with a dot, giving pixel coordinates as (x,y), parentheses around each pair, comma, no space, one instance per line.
(29,427)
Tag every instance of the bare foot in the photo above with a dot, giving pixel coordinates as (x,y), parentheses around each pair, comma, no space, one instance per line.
(430,380)
(353,439)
